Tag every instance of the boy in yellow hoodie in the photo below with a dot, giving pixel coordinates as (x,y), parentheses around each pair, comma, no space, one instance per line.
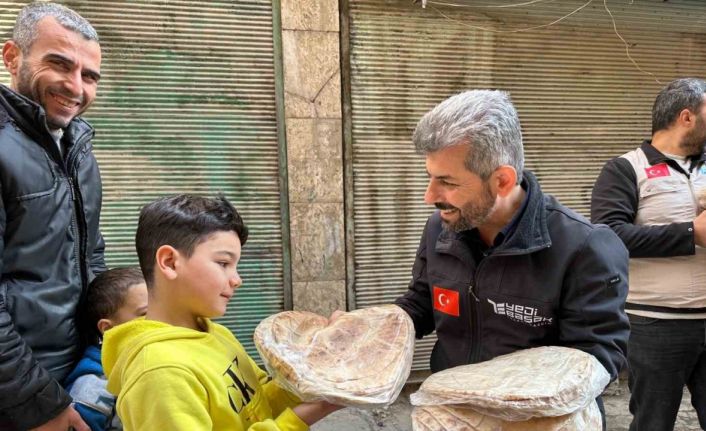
(175,369)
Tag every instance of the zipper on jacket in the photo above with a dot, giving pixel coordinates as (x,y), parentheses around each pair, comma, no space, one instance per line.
(475,319)
(470,290)
(82,229)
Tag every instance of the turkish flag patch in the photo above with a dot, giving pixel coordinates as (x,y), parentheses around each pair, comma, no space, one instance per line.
(659,170)
(446,301)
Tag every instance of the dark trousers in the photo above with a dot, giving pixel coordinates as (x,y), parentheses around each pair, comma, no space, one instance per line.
(663,356)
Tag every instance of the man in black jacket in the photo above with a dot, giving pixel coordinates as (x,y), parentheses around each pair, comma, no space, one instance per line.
(649,197)
(50,244)
(501,266)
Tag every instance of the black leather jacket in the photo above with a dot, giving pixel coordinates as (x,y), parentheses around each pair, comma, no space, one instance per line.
(555,280)
(50,248)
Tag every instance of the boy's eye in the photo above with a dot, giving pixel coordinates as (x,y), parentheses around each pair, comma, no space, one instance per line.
(223,264)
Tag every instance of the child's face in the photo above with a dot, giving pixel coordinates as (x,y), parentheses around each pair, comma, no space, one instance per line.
(135,305)
(208,278)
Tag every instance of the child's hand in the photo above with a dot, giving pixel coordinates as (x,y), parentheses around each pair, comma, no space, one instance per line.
(315,411)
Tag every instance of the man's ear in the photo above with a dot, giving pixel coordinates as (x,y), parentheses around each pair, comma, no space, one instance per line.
(686,118)
(166,261)
(12,57)
(104,325)
(503,180)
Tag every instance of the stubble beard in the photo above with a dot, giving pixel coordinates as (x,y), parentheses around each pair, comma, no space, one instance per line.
(25,88)
(473,214)
(695,140)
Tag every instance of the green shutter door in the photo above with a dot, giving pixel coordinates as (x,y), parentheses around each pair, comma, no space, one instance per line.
(187,104)
(580,100)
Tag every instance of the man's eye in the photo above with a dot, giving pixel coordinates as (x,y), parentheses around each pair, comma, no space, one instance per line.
(60,65)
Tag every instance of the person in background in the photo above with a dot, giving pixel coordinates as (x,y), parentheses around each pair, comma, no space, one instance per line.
(189,248)
(114,297)
(650,198)
(50,202)
(502,266)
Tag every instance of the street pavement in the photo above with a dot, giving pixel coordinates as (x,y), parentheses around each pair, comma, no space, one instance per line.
(397,416)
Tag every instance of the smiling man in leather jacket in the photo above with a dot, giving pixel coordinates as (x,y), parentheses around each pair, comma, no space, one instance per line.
(501,266)
(50,244)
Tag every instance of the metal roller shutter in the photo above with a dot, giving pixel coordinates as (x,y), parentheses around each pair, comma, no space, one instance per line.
(580,100)
(187,104)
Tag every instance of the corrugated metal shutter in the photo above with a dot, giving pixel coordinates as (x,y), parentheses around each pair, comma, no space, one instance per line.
(581,102)
(187,104)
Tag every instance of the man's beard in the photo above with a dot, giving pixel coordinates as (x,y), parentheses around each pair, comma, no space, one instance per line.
(473,214)
(24,83)
(25,88)
(695,140)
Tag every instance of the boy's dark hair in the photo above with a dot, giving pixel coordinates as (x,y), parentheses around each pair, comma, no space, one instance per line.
(106,294)
(183,222)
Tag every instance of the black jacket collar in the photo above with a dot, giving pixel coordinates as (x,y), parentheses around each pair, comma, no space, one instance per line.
(30,117)
(531,233)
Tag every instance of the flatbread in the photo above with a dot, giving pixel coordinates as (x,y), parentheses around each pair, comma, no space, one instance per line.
(362,359)
(538,382)
(449,418)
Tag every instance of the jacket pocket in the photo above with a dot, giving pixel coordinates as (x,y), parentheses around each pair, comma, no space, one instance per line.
(39,194)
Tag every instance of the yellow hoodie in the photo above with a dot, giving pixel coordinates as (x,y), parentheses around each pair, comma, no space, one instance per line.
(172,378)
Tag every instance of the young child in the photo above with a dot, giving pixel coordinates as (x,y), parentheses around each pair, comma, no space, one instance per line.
(176,369)
(114,297)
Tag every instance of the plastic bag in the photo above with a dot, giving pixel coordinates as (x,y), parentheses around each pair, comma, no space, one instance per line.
(362,359)
(450,418)
(538,382)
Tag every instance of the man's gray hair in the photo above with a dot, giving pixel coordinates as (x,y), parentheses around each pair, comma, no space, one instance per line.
(485,120)
(24,33)
(680,94)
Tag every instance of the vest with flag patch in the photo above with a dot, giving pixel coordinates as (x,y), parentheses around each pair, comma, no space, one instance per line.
(667,194)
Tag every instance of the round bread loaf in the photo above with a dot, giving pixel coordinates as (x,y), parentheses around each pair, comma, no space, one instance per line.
(538,382)
(450,418)
(361,359)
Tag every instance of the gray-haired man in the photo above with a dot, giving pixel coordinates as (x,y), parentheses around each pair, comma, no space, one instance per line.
(501,266)
(649,197)
(50,244)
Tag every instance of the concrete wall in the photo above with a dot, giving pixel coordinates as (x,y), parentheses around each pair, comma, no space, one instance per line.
(312,85)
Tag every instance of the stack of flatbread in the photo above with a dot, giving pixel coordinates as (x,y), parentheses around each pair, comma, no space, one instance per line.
(548,388)
(450,418)
(361,359)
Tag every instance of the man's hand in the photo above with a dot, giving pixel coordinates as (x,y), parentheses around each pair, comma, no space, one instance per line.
(69,419)
(700,229)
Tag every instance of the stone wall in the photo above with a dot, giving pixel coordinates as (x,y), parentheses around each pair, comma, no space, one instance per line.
(312,86)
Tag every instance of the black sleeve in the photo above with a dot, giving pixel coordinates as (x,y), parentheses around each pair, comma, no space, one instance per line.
(614,202)
(593,315)
(97,257)
(29,396)
(417,300)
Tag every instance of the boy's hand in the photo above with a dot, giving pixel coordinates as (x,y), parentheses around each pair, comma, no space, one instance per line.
(315,411)
(68,419)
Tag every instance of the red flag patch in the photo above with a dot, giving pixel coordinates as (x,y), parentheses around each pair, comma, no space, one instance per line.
(658,170)
(446,301)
